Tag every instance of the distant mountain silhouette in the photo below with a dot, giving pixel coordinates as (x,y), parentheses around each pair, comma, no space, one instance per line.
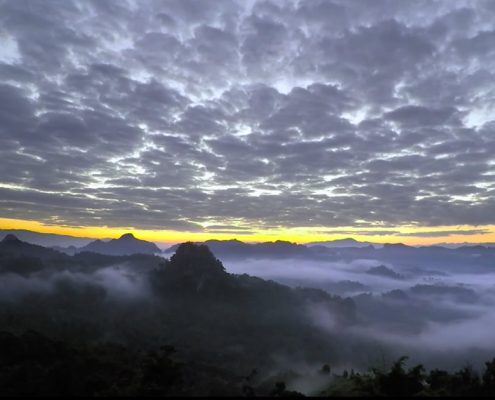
(11,246)
(70,250)
(457,245)
(348,242)
(395,246)
(46,239)
(429,257)
(24,258)
(228,249)
(127,244)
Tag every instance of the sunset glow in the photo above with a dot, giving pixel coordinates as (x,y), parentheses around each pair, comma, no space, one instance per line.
(404,234)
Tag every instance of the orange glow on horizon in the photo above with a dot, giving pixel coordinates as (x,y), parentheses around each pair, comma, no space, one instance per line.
(297,235)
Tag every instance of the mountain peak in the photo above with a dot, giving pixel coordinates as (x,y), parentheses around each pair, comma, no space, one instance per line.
(127,236)
(10,239)
(127,244)
(395,246)
(194,269)
(191,257)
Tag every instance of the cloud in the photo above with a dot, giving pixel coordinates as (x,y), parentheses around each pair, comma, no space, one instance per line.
(446,233)
(420,116)
(308,113)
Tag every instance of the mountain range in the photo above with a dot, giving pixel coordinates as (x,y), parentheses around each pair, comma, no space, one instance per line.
(46,239)
(348,242)
(345,249)
(11,246)
(125,245)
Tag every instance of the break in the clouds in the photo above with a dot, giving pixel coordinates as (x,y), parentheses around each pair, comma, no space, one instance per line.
(174,114)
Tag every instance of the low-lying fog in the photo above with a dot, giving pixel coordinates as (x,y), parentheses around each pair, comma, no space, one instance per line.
(436,316)
(118,281)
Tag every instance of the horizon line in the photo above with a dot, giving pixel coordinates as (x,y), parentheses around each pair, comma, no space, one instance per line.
(409,235)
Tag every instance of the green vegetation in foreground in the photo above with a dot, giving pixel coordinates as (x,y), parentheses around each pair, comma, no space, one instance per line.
(35,365)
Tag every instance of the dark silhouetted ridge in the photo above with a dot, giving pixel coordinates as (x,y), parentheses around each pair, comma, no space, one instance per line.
(11,246)
(127,244)
(195,271)
(234,249)
(396,246)
(11,239)
(195,258)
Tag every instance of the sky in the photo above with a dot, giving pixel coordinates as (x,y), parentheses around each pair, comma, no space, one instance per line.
(261,120)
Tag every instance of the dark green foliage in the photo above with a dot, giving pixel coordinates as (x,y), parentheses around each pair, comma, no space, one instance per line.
(13,247)
(489,376)
(34,365)
(325,369)
(240,317)
(398,381)
(22,265)
(280,390)
(193,269)
(74,336)
(222,325)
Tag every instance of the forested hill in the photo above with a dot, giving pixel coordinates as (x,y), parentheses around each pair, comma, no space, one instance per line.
(94,324)
(228,323)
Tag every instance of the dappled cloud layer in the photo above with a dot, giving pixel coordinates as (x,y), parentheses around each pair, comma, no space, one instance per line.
(238,116)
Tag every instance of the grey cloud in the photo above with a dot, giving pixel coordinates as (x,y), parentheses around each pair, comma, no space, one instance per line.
(446,233)
(17,73)
(478,45)
(16,107)
(420,116)
(200,120)
(273,113)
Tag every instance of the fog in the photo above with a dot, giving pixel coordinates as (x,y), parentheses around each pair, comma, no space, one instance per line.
(118,282)
(438,317)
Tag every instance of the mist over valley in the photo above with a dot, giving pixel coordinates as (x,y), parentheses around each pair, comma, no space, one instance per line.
(266,309)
